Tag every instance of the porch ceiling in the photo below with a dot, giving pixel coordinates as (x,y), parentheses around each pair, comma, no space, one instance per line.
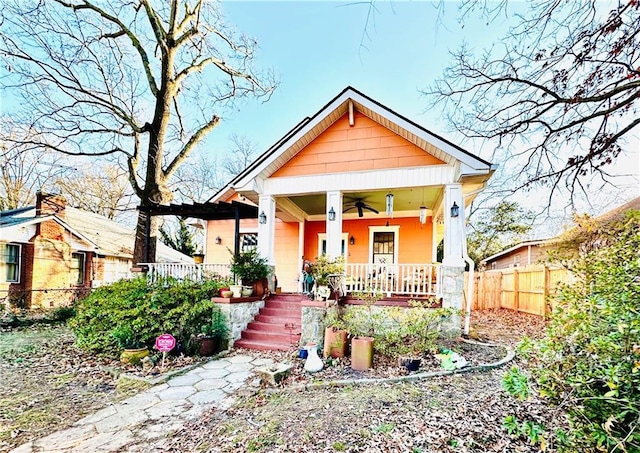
(409,199)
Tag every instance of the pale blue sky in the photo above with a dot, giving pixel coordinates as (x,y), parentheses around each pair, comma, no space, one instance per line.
(318,48)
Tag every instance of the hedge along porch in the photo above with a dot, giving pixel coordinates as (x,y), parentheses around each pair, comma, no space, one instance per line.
(358,179)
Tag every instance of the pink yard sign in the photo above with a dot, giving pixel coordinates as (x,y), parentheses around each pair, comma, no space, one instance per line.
(165,342)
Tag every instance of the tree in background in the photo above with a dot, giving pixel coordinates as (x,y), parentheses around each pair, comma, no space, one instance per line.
(182,240)
(559,93)
(25,171)
(241,154)
(496,229)
(144,81)
(103,190)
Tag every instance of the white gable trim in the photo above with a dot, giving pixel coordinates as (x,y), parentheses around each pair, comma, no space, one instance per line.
(470,163)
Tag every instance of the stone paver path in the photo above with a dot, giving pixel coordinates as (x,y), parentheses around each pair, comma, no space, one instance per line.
(156,412)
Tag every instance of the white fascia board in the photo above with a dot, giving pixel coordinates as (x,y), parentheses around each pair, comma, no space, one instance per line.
(432,175)
(419,132)
(318,118)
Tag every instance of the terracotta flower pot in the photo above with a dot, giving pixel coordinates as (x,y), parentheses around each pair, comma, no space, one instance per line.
(335,342)
(362,353)
(208,346)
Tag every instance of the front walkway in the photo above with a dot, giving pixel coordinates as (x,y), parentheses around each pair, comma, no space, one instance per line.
(156,412)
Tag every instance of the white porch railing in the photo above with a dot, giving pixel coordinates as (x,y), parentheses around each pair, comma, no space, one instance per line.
(402,279)
(183,271)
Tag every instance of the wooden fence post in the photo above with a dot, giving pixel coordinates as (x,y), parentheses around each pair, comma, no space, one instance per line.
(516,288)
(547,286)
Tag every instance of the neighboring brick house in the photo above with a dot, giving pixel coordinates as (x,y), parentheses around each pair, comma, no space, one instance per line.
(51,253)
(523,254)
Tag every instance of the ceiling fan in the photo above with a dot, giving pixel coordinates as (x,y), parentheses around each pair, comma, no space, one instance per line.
(361,205)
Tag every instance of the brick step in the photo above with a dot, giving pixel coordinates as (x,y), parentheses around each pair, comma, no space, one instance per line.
(280,328)
(287,297)
(264,345)
(270,337)
(280,312)
(282,305)
(280,320)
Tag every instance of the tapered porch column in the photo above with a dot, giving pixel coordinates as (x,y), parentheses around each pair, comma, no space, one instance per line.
(266,231)
(452,271)
(454,228)
(334,227)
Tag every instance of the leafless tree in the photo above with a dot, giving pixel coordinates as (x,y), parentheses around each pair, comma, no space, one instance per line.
(25,171)
(146,80)
(559,94)
(240,155)
(199,180)
(104,190)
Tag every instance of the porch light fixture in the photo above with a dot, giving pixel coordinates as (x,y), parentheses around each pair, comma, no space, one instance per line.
(352,240)
(218,240)
(423,214)
(262,218)
(332,214)
(455,210)
(389,205)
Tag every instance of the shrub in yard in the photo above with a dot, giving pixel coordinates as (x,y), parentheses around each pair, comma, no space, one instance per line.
(589,360)
(179,308)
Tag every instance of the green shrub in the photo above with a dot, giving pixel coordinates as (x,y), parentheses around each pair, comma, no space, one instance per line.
(589,360)
(398,331)
(179,308)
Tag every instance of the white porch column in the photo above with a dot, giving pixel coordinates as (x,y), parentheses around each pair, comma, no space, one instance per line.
(266,231)
(334,228)
(452,271)
(454,228)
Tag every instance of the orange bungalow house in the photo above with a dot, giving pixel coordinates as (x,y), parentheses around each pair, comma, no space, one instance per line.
(358,179)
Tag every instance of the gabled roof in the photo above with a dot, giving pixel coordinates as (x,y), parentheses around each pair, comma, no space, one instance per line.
(105,236)
(311,127)
(27,216)
(539,242)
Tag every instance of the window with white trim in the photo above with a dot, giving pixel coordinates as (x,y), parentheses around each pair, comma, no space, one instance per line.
(248,241)
(10,262)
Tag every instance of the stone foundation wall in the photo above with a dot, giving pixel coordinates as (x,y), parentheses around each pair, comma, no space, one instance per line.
(453,297)
(313,325)
(239,315)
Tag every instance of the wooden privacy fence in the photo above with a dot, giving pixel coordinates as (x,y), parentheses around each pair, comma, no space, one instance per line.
(524,289)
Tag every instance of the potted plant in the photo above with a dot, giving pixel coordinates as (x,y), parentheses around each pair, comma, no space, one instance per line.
(251,269)
(323,268)
(130,342)
(361,323)
(213,334)
(335,333)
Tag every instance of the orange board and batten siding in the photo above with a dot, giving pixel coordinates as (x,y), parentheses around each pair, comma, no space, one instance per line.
(365,146)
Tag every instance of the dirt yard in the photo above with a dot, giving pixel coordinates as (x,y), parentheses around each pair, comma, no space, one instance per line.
(47,384)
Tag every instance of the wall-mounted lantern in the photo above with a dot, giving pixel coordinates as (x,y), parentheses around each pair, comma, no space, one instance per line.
(455,210)
(218,240)
(262,218)
(332,214)
(352,240)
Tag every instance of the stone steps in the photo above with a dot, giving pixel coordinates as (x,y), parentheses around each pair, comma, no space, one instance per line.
(277,326)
